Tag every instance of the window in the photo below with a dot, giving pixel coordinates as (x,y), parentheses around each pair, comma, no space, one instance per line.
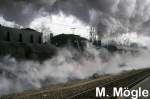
(8,36)
(40,39)
(20,37)
(31,39)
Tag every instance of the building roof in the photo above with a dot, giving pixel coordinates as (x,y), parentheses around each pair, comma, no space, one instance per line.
(9,29)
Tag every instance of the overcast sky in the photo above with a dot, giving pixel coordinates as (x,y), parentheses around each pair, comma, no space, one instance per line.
(109,17)
(60,23)
(56,24)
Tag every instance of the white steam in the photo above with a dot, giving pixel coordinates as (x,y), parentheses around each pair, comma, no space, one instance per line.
(67,65)
(5,22)
(127,38)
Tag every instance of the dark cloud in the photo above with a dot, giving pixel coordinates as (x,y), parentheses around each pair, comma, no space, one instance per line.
(108,16)
(23,11)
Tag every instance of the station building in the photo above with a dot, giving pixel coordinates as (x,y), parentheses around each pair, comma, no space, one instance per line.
(24,43)
(14,35)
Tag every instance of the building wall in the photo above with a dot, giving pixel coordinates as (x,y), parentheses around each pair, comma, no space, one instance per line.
(27,51)
(20,35)
(18,43)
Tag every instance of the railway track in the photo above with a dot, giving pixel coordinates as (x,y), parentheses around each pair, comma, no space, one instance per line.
(86,90)
(129,82)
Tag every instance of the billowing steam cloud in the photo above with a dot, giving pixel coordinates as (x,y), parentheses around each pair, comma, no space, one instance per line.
(108,16)
(23,11)
(9,23)
(67,65)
